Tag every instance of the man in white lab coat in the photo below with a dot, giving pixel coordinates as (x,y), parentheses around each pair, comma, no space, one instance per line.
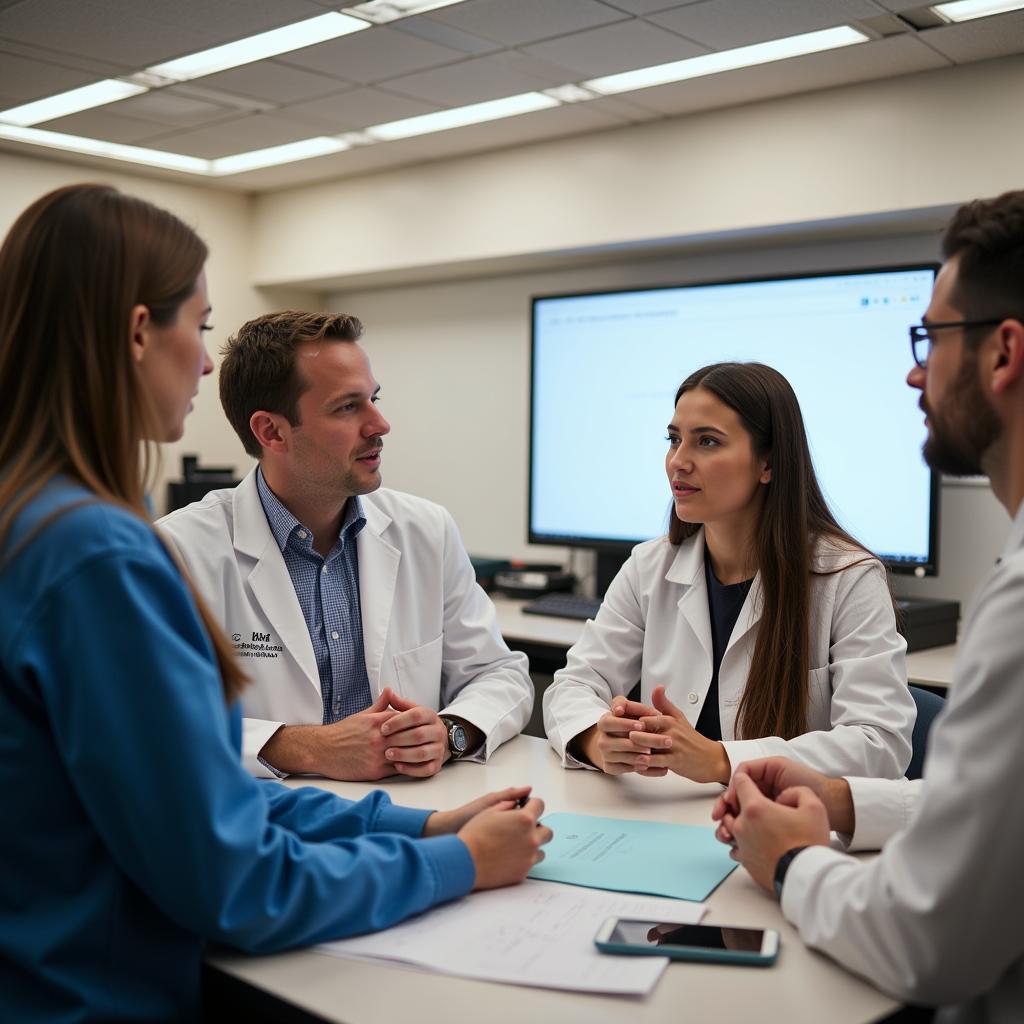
(938,918)
(371,649)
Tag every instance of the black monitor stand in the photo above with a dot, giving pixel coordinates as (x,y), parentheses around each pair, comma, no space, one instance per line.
(609,562)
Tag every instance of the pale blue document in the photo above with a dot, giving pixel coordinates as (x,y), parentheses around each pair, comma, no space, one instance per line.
(683,861)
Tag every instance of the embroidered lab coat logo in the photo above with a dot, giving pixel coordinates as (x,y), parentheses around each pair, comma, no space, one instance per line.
(261,646)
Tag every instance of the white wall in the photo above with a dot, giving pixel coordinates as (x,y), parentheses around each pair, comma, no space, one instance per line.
(224,220)
(453,362)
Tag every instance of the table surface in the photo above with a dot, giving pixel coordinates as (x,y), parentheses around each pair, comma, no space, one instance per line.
(932,667)
(802,988)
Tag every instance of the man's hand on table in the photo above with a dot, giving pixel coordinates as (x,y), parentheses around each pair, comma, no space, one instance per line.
(773,776)
(393,736)
(761,829)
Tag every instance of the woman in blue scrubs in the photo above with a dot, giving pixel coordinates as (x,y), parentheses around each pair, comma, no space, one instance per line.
(131,832)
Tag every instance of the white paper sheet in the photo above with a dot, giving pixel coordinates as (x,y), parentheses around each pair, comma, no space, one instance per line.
(538,933)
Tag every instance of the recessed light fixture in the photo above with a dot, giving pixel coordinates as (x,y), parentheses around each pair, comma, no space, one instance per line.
(968,10)
(458,117)
(259,47)
(305,149)
(113,150)
(380,12)
(727,60)
(96,95)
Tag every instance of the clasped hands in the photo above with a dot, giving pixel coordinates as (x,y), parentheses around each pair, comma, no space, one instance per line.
(653,741)
(774,805)
(393,736)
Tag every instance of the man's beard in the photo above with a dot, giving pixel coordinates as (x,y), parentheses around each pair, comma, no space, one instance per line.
(964,429)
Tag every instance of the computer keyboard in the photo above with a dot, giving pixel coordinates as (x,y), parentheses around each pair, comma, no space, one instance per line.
(567,606)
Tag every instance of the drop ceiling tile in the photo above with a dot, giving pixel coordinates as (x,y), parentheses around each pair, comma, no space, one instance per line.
(482,78)
(525,21)
(998,36)
(446,35)
(222,21)
(88,28)
(26,80)
(170,107)
(613,48)
(238,135)
(648,6)
(883,58)
(724,24)
(357,108)
(370,56)
(101,123)
(273,82)
(73,61)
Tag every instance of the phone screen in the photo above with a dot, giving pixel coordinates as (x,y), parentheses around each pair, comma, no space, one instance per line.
(693,936)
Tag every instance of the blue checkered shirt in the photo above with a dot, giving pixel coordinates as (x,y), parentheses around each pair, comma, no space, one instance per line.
(328,593)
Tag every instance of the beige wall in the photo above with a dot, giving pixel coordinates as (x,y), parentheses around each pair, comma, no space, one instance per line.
(904,143)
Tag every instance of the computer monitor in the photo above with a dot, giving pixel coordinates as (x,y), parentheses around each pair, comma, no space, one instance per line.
(605,367)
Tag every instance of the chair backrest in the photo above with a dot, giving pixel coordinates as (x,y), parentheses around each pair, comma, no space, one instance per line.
(928,706)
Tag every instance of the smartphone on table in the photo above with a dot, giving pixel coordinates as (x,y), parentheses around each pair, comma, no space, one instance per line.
(708,943)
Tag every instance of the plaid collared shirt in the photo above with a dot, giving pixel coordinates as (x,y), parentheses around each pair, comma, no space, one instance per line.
(328,593)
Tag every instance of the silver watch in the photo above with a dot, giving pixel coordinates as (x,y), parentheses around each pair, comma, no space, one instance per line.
(458,739)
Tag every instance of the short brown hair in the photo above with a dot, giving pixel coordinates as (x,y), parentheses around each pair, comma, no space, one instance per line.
(259,371)
(988,237)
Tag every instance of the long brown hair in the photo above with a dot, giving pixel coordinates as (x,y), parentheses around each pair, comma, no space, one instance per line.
(72,268)
(794,517)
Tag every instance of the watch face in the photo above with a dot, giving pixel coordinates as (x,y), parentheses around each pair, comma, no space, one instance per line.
(459,738)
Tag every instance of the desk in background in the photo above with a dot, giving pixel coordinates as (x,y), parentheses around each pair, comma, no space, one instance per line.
(802,988)
(546,639)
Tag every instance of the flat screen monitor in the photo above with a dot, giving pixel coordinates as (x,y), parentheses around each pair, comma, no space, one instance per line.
(605,368)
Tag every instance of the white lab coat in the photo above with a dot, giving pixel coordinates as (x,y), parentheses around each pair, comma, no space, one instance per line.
(938,917)
(654,626)
(429,632)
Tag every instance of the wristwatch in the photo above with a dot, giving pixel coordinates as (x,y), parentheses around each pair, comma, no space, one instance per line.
(458,740)
(783,866)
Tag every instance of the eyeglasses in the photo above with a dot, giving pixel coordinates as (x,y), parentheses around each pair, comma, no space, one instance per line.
(921,335)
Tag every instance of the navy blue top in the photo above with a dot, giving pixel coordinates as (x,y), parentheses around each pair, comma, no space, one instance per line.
(724,604)
(131,832)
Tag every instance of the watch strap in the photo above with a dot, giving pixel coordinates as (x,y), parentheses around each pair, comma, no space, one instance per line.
(783,866)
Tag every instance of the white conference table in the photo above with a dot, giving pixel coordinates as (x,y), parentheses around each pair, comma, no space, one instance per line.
(932,667)
(802,988)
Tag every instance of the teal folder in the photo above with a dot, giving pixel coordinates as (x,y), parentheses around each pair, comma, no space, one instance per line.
(682,861)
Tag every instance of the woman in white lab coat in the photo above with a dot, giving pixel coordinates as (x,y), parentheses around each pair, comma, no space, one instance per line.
(756,627)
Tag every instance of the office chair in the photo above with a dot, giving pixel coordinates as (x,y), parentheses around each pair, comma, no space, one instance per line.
(928,706)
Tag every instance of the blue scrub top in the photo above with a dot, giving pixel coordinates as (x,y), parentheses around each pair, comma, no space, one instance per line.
(131,833)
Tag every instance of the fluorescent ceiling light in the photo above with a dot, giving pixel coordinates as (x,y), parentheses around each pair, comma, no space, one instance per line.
(259,47)
(457,117)
(727,60)
(113,150)
(286,154)
(380,12)
(968,10)
(70,102)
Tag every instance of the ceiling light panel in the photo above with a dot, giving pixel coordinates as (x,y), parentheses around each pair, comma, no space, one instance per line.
(112,150)
(459,117)
(380,12)
(968,10)
(259,47)
(727,60)
(305,149)
(88,96)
